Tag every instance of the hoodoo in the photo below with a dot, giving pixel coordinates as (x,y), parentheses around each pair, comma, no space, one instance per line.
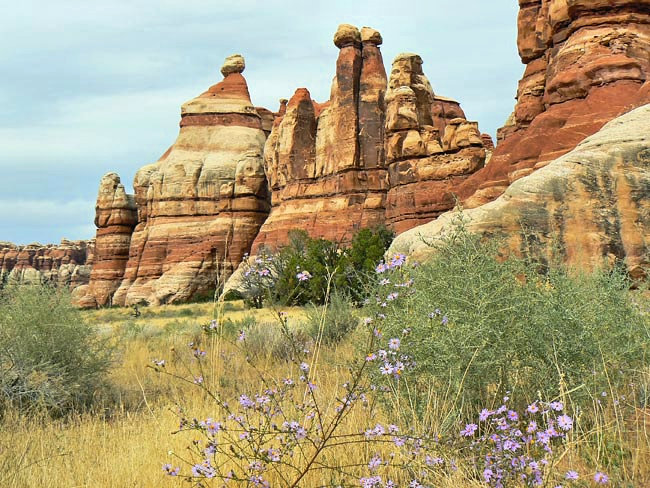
(199,206)
(325,163)
(430,147)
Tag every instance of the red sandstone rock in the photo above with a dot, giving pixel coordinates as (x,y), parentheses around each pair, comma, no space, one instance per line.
(64,265)
(115,218)
(201,204)
(424,164)
(587,61)
(588,207)
(325,162)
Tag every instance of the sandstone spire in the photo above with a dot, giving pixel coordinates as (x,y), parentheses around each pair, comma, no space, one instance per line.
(115,218)
(325,161)
(201,204)
(424,165)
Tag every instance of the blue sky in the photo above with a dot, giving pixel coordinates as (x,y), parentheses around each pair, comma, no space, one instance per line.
(92,87)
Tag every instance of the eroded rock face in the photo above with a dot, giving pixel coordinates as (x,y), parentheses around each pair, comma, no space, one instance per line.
(115,218)
(430,147)
(591,205)
(63,265)
(587,62)
(200,206)
(325,162)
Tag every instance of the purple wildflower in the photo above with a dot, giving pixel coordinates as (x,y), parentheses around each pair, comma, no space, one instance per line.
(167,468)
(571,475)
(565,422)
(469,430)
(374,463)
(601,478)
(484,415)
(303,276)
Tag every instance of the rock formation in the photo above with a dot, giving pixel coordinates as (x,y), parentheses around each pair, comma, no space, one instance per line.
(591,205)
(325,163)
(430,147)
(587,61)
(64,265)
(115,218)
(199,207)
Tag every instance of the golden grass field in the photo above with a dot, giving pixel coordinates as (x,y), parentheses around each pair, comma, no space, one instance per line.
(125,443)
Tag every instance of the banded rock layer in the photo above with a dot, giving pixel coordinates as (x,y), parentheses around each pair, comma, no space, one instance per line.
(115,218)
(592,204)
(196,210)
(64,265)
(378,152)
(325,164)
(427,156)
(587,62)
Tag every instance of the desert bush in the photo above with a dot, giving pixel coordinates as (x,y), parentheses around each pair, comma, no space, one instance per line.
(48,356)
(269,340)
(333,322)
(307,269)
(483,325)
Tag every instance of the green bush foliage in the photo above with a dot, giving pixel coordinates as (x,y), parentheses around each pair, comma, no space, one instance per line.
(330,324)
(48,356)
(276,278)
(483,325)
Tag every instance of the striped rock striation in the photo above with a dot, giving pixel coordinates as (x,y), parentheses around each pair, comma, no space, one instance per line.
(196,210)
(430,147)
(115,218)
(325,163)
(587,62)
(67,264)
(592,205)
(378,152)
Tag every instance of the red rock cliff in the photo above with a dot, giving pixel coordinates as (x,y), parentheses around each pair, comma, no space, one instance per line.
(325,164)
(587,62)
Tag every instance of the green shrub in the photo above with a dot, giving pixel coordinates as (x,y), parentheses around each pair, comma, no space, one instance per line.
(276,278)
(331,323)
(233,295)
(484,326)
(272,340)
(48,356)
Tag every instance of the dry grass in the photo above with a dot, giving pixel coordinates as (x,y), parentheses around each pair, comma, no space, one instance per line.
(125,443)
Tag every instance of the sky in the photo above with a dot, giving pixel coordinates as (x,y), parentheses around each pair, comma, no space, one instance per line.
(89,87)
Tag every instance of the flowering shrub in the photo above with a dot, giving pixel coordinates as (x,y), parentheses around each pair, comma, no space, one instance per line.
(284,431)
(259,277)
(303,271)
(481,325)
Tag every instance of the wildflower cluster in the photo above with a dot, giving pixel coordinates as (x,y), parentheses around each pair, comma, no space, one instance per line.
(510,447)
(259,276)
(397,261)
